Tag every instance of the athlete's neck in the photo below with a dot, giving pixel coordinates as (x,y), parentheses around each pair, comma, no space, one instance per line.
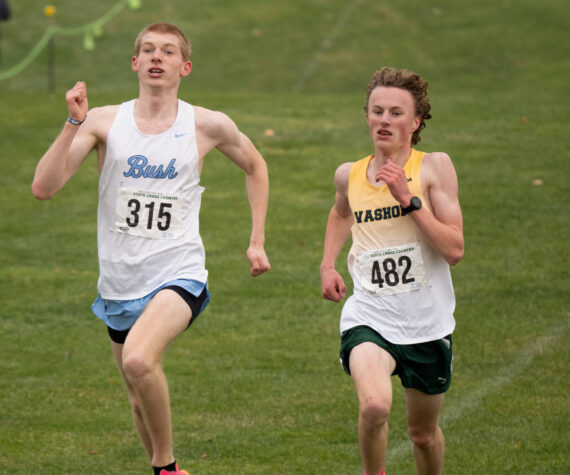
(399,156)
(155,114)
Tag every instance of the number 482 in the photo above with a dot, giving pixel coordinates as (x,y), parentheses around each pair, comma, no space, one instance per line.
(390,272)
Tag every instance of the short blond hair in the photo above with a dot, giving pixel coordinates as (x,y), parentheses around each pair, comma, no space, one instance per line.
(185,47)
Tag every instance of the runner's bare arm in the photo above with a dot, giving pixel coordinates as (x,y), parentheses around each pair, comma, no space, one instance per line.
(69,150)
(218,130)
(338,228)
(444,229)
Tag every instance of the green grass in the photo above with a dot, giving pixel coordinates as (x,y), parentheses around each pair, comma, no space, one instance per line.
(256,385)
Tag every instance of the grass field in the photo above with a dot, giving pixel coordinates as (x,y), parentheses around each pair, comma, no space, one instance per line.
(256,386)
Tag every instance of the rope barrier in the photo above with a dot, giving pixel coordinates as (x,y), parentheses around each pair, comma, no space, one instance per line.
(90,30)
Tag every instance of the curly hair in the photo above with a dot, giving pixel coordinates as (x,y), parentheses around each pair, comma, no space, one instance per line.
(185,47)
(409,81)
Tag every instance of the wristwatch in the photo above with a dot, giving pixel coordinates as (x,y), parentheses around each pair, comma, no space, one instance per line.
(415,203)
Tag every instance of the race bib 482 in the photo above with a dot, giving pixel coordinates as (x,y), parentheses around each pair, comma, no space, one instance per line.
(392,270)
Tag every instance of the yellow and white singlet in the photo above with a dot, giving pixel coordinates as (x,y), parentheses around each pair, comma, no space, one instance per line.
(402,287)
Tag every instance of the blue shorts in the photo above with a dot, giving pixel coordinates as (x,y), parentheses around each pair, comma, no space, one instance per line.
(121,315)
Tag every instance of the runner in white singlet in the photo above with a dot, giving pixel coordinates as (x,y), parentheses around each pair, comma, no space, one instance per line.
(153,280)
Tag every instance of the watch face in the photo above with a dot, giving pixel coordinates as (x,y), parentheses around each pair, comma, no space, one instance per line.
(415,203)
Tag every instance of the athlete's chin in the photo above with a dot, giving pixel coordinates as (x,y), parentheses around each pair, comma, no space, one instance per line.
(389,145)
(385,147)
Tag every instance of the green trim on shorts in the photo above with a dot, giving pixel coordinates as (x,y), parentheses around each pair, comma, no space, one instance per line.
(425,366)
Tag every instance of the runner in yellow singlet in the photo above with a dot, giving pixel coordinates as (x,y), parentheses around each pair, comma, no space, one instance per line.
(402,208)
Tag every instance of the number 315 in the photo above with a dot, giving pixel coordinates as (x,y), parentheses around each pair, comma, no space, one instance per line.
(162,220)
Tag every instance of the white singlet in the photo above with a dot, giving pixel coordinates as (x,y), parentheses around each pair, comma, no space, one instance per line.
(149,204)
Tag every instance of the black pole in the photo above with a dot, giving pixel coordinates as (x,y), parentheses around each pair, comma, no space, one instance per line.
(4,16)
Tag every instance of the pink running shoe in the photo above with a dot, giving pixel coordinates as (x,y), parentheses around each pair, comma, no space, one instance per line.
(178,472)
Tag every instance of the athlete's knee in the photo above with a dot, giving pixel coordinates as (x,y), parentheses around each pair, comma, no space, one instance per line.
(423,438)
(136,366)
(374,411)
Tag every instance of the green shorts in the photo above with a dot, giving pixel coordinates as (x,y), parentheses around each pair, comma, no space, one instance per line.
(422,366)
